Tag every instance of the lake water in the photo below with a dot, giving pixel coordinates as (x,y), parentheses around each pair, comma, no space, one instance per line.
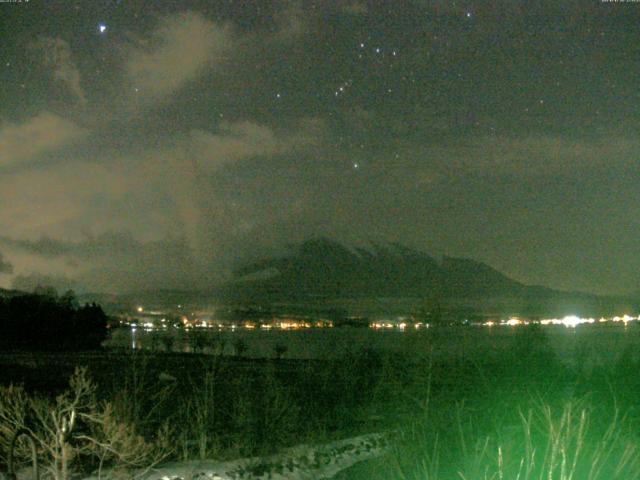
(596,343)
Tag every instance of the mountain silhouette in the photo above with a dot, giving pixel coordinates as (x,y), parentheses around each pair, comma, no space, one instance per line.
(325,268)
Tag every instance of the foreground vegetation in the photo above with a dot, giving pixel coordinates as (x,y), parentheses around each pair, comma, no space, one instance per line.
(515,414)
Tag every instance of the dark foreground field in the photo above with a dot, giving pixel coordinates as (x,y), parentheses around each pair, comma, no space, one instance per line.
(513,414)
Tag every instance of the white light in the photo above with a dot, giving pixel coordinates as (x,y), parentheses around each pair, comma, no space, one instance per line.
(102,27)
(571,321)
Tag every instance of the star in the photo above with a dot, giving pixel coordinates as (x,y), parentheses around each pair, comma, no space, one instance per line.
(102,27)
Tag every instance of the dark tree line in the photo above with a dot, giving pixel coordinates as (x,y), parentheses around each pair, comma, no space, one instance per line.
(46,322)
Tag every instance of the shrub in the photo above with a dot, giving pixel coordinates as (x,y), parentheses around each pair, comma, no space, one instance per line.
(74,431)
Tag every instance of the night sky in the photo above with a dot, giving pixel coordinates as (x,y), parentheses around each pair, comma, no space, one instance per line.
(157,144)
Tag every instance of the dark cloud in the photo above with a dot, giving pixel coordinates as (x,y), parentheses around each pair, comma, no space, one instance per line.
(57,56)
(5,266)
(34,281)
(45,246)
(114,262)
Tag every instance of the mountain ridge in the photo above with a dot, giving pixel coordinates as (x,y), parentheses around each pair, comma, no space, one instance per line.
(323,267)
(326,271)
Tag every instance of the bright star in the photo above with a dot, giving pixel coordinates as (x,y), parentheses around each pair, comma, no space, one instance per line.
(102,27)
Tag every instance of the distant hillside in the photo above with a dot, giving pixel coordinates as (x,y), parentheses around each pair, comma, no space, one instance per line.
(325,270)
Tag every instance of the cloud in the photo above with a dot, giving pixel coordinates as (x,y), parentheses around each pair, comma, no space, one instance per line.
(245,139)
(115,244)
(5,266)
(57,56)
(111,261)
(44,246)
(210,222)
(64,198)
(120,262)
(32,281)
(173,199)
(235,141)
(43,133)
(177,52)
(204,216)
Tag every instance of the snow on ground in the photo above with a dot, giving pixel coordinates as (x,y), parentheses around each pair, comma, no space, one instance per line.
(303,462)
